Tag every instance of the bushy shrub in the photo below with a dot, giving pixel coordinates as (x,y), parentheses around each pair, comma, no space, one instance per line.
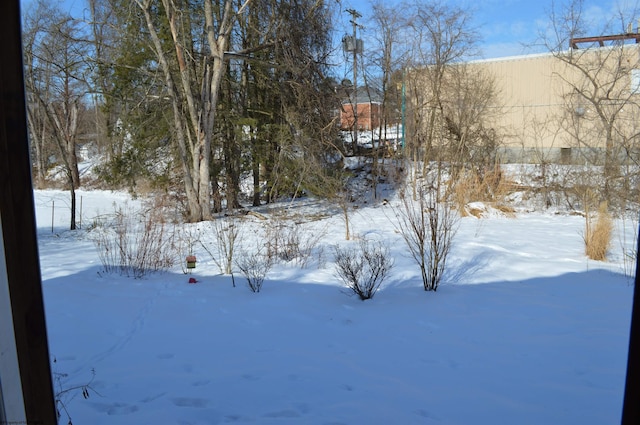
(254,266)
(363,269)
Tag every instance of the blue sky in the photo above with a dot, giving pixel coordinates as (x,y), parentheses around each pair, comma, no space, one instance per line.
(507,27)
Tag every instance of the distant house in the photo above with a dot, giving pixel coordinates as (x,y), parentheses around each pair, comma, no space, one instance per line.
(368,107)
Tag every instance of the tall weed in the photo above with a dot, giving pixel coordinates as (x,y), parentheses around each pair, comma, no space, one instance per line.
(135,242)
(598,231)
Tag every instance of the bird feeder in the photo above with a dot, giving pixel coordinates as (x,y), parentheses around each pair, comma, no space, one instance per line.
(191,261)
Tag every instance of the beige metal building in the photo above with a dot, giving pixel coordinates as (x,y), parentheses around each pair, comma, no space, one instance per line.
(565,106)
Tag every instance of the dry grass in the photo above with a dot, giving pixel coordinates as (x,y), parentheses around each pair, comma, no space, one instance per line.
(475,212)
(598,232)
(490,186)
(505,209)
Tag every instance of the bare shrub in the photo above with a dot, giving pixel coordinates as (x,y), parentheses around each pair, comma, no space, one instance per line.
(254,266)
(363,269)
(428,226)
(561,185)
(290,241)
(629,248)
(65,393)
(582,188)
(136,242)
(226,232)
(185,242)
(598,230)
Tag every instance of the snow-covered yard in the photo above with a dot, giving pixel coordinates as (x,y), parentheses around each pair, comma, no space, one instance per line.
(524,330)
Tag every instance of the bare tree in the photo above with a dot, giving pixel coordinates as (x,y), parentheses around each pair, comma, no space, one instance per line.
(104,30)
(386,57)
(230,66)
(57,83)
(469,105)
(600,87)
(37,80)
(442,37)
(193,73)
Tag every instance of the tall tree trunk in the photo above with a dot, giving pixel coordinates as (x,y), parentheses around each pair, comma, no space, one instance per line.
(255,168)
(194,114)
(64,126)
(232,171)
(37,130)
(195,211)
(72,192)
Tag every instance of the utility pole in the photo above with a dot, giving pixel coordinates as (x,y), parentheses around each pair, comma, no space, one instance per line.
(355,47)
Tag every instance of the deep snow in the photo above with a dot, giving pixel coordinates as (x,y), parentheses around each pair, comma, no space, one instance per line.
(524,330)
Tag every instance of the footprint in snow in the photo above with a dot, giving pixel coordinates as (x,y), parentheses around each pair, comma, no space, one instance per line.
(287,413)
(190,402)
(115,408)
